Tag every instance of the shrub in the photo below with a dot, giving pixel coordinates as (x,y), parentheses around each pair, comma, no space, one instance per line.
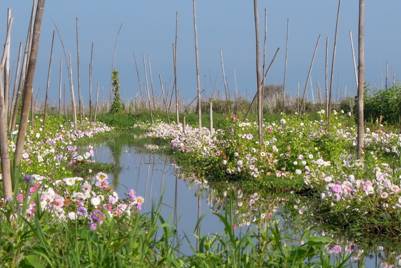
(117,106)
(384,105)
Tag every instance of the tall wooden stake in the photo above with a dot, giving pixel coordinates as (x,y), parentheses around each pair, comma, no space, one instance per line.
(259,75)
(361,79)
(26,102)
(333,61)
(5,160)
(91,82)
(285,63)
(80,104)
(48,79)
(177,108)
(198,82)
(60,83)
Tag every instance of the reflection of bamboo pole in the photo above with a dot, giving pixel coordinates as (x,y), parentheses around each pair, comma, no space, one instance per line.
(198,213)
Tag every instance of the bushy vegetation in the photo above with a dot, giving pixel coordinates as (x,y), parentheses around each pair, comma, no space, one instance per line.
(117,106)
(384,106)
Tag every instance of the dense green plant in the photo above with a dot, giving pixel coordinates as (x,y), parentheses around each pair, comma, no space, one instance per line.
(117,106)
(384,105)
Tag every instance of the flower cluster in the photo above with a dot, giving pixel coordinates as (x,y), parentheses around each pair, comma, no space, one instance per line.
(75,199)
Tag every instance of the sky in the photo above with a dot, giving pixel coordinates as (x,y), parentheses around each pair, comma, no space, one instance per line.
(148,31)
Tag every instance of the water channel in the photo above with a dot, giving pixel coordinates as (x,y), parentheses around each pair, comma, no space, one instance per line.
(184,202)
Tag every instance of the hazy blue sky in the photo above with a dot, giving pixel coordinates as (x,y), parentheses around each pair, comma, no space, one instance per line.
(149,30)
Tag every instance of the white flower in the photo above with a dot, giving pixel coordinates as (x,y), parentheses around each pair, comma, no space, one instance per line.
(95,201)
(72,215)
(298,172)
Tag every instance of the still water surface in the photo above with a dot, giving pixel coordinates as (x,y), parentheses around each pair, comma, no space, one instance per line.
(154,176)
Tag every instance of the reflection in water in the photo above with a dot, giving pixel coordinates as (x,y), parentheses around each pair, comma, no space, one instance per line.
(189,205)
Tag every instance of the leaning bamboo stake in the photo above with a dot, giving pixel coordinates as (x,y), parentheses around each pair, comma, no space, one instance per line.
(259,74)
(72,92)
(223,73)
(5,160)
(26,102)
(353,58)
(7,78)
(264,79)
(148,89)
(198,81)
(48,79)
(309,73)
(333,61)
(91,82)
(80,104)
(15,87)
(361,80)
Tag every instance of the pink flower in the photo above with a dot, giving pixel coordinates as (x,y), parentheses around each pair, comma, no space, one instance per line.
(336,249)
(367,187)
(20,198)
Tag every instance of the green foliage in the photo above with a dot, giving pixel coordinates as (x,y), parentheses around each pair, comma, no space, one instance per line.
(384,105)
(117,106)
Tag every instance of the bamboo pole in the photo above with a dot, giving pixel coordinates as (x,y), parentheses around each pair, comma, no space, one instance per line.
(198,81)
(309,73)
(333,61)
(223,73)
(26,102)
(285,62)
(5,159)
(211,116)
(259,74)
(60,82)
(326,76)
(97,101)
(361,80)
(91,82)
(80,104)
(15,87)
(48,79)
(264,78)
(72,91)
(354,58)
(7,78)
